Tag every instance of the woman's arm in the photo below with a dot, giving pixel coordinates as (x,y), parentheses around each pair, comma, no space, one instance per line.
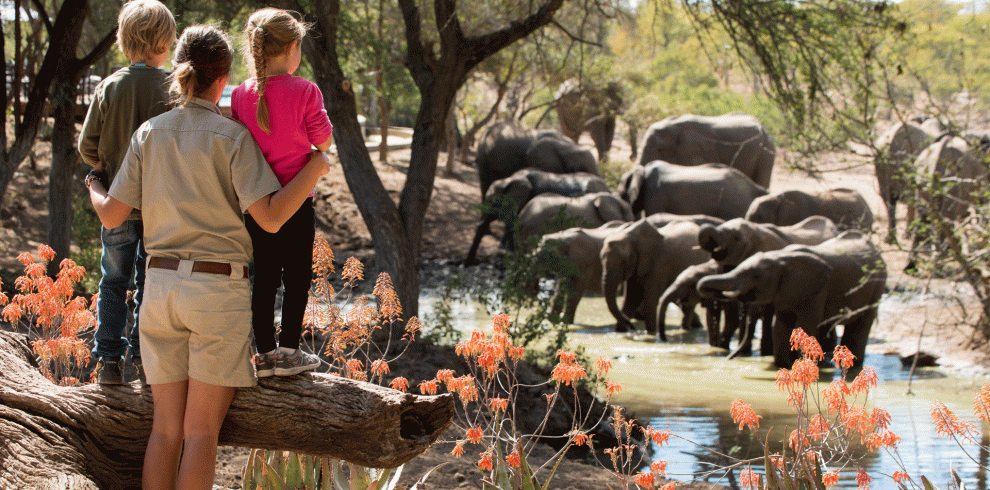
(273,210)
(112,212)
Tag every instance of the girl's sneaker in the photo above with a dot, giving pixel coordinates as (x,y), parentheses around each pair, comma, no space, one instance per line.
(295,363)
(264,365)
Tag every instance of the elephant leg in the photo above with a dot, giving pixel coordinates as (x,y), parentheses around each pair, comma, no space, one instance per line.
(479,233)
(573,298)
(733,312)
(713,313)
(632,300)
(783,324)
(766,334)
(745,345)
(857,333)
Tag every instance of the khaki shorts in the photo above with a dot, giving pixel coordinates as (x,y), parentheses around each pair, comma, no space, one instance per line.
(196,325)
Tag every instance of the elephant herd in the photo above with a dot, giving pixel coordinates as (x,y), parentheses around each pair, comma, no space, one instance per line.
(692,223)
(954,162)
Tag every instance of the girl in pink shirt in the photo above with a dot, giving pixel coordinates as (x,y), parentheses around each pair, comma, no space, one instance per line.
(285,114)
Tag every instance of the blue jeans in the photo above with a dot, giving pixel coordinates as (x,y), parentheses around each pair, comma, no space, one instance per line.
(123,257)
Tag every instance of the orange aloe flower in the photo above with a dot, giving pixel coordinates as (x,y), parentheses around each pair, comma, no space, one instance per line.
(513,459)
(612,388)
(567,372)
(981,403)
(805,372)
(474,434)
(565,357)
(744,415)
(603,366)
(866,379)
(353,270)
(516,352)
(947,424)
(501,322)
(580,437)
(900,476)
(646,479)
(499,404)
(379,367)
(401,384)
(428,387)
(659,467)
(862,479)
(843,358)
(669,486)
(445,376)
(818,427)
(830,478)
(881,439)
(749,479)
(458,449)
(485,462)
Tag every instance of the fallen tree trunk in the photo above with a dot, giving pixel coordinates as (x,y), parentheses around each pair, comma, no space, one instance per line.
(94,436)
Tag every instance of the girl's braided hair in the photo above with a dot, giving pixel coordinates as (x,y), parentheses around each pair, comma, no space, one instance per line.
(268,33)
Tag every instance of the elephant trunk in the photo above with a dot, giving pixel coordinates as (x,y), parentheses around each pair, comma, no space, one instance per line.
(718,286)
(611,278)
(665,300)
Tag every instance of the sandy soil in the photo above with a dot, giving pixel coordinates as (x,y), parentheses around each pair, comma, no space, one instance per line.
(926,319)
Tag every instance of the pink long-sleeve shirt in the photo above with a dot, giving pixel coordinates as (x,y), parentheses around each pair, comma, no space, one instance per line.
(297,120)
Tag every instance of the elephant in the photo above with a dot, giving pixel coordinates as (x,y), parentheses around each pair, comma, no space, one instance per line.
(507,196)
(898,149)
(547,213)
(735,240)
(589,108)
(711,189)
(737,140)
(684,293)
(507,147)
(845,207)
(815,288)
(647,260)
(960,171)
(580,249)
(659,220)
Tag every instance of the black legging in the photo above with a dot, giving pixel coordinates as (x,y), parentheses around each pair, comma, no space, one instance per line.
(285,258)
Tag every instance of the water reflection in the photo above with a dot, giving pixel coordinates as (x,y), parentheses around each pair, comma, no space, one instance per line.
(687,387)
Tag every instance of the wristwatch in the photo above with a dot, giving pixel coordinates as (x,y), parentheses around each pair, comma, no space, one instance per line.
(94,174)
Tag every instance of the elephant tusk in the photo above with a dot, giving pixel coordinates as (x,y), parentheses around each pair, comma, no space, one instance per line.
(731,294)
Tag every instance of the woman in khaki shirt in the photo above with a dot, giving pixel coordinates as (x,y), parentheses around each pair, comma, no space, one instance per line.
(193,173)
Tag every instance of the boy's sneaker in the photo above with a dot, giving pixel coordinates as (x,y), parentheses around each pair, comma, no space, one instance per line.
(295,363)
(139,369)
(264,364)
(110,371)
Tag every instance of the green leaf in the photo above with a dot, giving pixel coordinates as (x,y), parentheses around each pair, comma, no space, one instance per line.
(360,479)
(248,477)
(271,479)
(382,479)
(293,471)
(927,484)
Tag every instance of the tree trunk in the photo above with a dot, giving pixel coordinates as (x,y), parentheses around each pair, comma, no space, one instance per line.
(94,436)
(60,177)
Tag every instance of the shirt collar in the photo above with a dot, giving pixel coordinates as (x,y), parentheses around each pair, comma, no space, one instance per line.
(199,101)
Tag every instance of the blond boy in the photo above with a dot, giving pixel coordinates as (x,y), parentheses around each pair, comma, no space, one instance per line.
(121,103)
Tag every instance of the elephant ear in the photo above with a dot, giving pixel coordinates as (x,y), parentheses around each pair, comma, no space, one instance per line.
(611,208)
(631,187)
(650,248)
(806,276)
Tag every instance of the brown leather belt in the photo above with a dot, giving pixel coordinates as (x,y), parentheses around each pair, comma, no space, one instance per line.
(198,266)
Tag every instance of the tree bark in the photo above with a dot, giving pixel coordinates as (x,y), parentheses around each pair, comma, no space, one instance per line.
(94,436)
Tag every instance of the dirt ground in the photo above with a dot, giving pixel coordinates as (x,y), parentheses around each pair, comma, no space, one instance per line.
(450,223)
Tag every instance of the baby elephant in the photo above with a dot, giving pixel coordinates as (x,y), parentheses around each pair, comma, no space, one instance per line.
(813,288)
(845,207)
